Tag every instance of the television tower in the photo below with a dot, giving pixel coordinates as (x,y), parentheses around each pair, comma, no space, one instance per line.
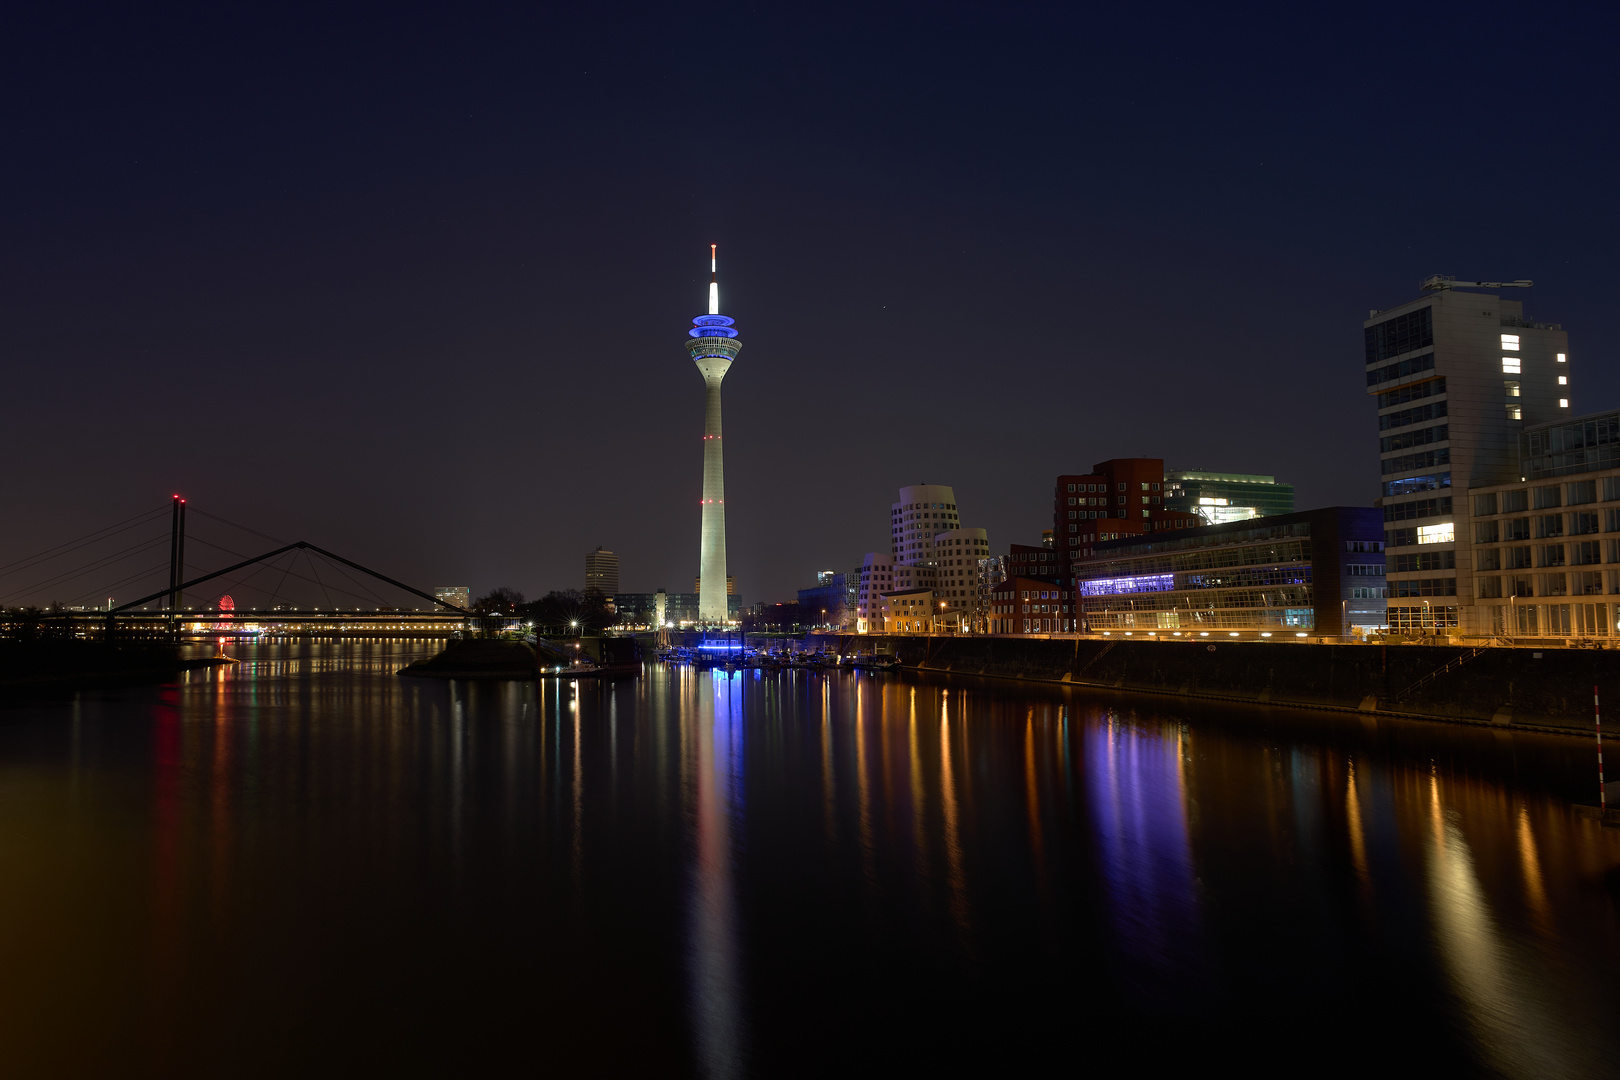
(713,345)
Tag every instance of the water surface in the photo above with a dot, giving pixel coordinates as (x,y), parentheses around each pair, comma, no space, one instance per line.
(304,864)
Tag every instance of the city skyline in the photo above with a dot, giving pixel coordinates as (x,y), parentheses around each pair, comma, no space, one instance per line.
(378,299)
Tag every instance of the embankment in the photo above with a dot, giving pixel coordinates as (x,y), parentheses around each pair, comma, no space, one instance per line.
(1543,689)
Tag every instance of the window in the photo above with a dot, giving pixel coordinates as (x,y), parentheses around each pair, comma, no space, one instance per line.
(1511,386)
(1486,532)
(1563,403)
(1516,529)
(1402,334)
(1411,392)
(1489,559)
(1484,506)
(1548,525)
(1489,587)
(1516,501)
(1436,534)
(1585,553)
(1550,555)
(1518,558)
(1430,482)
(1521,586)
(1547,497)
(1552,585)
(1514,413)
(1510,365)
(1510,342)
(1562,357)
(1587,583)
(1563,380)
(1581,491)
(1583,523)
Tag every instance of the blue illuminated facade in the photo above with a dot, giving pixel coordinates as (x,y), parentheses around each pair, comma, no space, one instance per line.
(1319,573)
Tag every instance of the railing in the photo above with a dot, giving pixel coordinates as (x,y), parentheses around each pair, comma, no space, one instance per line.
(1455,662)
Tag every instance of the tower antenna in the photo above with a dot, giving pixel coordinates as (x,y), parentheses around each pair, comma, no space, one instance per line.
(714,280)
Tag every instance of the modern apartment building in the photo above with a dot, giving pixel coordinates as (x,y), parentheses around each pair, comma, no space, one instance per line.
(1319,573)
(1219,497)
(1545,548)
(602,572)
(1457,377)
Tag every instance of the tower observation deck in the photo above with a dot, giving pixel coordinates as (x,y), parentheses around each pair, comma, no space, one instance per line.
(713,345)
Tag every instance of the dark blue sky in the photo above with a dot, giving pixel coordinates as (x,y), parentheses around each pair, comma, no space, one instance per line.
(414,286)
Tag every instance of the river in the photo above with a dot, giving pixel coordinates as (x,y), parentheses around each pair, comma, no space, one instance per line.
(303,864)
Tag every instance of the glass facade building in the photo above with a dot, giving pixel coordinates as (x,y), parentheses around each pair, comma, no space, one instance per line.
(1319,573)
(1221,497)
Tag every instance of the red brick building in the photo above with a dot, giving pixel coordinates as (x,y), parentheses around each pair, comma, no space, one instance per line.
(1025,605)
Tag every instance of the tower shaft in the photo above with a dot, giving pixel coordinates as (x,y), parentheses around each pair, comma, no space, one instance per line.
(712,605)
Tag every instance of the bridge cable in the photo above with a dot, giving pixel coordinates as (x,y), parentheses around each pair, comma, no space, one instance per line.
(234,525)
(69,575)
(291,562)
(309,559)
(380,601)
(62,549)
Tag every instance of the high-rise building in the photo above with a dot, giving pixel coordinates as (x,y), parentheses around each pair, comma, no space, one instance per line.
(459,595)
(602,572)
(713,345)
(1118,498)
(1219,497)
(923,511)
(1457,376)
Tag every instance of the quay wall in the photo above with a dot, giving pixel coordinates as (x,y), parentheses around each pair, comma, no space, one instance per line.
(1547,689)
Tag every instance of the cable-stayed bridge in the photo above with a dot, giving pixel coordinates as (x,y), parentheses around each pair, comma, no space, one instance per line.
(266,585)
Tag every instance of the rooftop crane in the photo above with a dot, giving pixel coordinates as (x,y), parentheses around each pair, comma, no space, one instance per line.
(1440,281)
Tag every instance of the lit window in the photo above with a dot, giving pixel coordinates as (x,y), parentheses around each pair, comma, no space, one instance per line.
(1563,380)
(1510,342)
(1562,358)
(1511,387)
(1443,533)
(1510,365)
(1563,403)
(1513,412)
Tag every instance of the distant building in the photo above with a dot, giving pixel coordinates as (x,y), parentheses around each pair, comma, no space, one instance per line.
(835,599)
(731,584)
(876,578)
(642,609)
(1218,497)
(458,595)
(956,578)
(602,572)
(1319,573)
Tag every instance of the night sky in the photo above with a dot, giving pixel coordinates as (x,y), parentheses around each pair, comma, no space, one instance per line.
(414,284)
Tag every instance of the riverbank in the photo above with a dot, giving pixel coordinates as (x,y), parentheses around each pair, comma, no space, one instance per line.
(26,665)
(1543,690)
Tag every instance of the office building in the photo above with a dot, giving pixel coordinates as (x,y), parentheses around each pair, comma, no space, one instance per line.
(713,345)
(1457,377)
(1219,497)
(457,595)
(1318,573)
(1121,497)
(641,610)
(835,598)
(1545,550)
(602,572)
(908,611)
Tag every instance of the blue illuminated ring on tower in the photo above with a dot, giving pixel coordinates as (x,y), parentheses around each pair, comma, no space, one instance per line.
(712,326)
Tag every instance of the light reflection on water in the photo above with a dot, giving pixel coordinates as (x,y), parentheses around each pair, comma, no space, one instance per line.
(698,874)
